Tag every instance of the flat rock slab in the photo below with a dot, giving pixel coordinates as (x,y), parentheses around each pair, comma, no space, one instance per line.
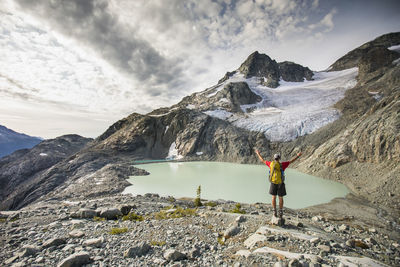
(174,255)
(254,240)
(76,260)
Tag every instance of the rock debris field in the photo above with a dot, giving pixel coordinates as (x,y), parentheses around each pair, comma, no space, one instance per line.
(149,230)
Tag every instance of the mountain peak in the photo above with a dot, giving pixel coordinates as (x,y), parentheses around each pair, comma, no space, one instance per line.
(261,65)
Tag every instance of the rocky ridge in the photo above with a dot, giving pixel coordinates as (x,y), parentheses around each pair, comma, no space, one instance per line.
(22,172)
(172,232)
(11,141)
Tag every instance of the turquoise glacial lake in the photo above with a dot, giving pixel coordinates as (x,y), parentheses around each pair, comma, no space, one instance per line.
(243,183)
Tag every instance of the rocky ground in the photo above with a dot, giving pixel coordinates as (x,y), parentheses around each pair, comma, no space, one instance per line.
(162,231)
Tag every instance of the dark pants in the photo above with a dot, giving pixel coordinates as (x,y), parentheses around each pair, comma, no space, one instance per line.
(277,189)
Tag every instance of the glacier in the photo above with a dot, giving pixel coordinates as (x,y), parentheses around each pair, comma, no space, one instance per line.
(291,110)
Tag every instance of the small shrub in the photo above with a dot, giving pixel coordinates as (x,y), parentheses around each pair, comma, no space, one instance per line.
(211,204)
(197,200)
(117,231)
(132,217)
(238,209)
(3,220)
(221,240)
(171,199)
(98,219)
(157,243)
(179,212)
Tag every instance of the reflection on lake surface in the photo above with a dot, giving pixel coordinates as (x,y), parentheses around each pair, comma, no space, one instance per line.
(230,181)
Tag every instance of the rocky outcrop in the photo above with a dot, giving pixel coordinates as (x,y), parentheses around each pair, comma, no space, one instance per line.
(292,72)
(151,136)
(362,148)
(352,58)
(238,94)
(375,59)
(11,141)
(19,169)
(261,65)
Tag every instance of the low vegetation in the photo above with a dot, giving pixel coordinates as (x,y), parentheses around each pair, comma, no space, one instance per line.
(157,243)
(171,213)
(117,231)
(210,204)
(197,200)
(98,219)
(238,209)
(133,217)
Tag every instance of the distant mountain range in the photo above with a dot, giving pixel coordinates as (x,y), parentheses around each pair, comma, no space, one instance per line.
(11,141)
(346,121)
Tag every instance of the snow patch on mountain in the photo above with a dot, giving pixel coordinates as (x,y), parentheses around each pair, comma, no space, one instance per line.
(395,48)
(173,152)
(291,110)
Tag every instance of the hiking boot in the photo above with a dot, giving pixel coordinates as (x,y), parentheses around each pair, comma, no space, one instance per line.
(280,214)
(275,214)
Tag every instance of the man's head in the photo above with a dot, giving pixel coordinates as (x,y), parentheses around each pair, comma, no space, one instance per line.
(277,157)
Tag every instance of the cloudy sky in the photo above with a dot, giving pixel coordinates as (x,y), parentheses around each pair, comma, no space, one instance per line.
(77,66)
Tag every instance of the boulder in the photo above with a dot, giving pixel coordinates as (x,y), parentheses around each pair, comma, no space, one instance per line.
(76,233)
(126,208)
(174,255)
(54,242)
(76,260)
(254,240)
(94,242)
(28,250)
(277,221)
(137,251)
(231,231)
(110,213)
(84,214)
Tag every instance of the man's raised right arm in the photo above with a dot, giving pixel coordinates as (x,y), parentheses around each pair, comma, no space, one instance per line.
(259,156)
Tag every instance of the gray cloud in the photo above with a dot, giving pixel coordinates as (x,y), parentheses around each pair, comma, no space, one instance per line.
(92,22)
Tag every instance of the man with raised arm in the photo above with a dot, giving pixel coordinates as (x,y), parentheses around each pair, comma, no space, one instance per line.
(277,179)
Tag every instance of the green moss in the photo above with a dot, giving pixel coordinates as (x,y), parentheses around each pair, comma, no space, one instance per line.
(132,217)
(197,200)
(98,219)
(211,204)
(221,240)
(238,209)
(157,243)
(117,231)
(177,212)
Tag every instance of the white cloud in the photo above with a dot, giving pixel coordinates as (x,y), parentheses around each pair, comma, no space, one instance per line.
(122,56)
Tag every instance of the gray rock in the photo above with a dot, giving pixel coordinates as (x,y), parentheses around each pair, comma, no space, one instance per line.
(76,234)
(54,242)
(231,231)
(324,248)
(76,260)
(280,264)
(194,253)
(370,240)
(277,221)
(240,219)
(110,213)
(28,250)
(125,208)
(84,214)
(330,229)
(315,240)
(137,251)
(294,263)
(174,255)
(94,242)
(343,227)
